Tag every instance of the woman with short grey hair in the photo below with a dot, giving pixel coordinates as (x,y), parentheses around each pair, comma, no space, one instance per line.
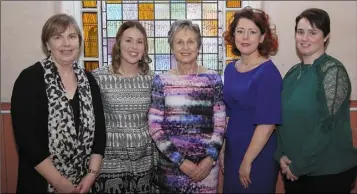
(184,24)
(187,117)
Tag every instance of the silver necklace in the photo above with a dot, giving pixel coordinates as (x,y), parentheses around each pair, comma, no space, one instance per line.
(178,73)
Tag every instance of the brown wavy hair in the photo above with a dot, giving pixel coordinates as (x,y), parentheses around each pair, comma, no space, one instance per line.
(116,54)
(270,44)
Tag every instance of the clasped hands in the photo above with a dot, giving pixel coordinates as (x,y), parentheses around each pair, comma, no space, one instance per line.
(197,172)
(285,170)
(66,186)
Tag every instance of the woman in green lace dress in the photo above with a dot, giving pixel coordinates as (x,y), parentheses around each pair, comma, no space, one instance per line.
(315,147)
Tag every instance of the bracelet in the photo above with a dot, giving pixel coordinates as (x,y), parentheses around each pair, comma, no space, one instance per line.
(93,171)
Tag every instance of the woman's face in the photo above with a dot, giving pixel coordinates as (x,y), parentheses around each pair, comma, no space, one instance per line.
(64,47)
(185,46)
(309,40)
(132,46)
(247,37)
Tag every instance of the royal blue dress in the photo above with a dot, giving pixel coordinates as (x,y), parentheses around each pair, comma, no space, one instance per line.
(251,98)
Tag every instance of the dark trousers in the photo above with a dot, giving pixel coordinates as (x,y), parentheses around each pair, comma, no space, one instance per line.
(335,183)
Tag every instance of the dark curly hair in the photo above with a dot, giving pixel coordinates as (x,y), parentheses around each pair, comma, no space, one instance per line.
(270,44)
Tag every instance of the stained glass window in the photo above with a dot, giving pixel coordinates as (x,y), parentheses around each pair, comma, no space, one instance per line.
(89,4)
(156,17)
(233,4)
(90,65)
(90,31)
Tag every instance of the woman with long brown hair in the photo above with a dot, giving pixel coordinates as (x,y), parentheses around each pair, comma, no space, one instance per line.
(129,161)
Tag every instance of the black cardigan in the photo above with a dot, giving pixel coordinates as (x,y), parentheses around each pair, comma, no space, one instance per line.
(29,112)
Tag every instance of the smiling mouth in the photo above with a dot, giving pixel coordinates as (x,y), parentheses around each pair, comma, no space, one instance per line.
(185,54)
(133,54)
(66,51)
(245,44)
(304,45)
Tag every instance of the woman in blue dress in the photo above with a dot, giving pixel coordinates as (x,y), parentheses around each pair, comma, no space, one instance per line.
(252,90)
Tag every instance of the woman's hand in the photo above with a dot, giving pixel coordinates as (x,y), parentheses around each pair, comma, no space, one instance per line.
(290,175)
(244,173)
(65,186)
(204,168)
(188,168)
(86,183)
(284,164)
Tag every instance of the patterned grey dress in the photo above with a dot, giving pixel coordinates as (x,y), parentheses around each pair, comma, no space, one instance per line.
(130,157)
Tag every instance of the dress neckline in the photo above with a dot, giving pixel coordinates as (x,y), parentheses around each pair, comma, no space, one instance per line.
(252,70)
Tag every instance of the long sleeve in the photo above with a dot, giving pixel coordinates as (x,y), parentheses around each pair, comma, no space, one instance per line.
(279,150)
(156,117)
(334,91)
(25,112)
(100,130)
(219,121)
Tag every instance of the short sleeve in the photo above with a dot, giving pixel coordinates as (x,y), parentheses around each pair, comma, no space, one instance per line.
(229,68)
(268,96)
(228,111)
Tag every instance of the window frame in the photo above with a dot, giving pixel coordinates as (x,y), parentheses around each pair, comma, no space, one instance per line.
(75,9)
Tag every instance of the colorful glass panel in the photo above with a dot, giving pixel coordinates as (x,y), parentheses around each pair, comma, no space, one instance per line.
(162,11)
(114,12)
(161,46)
(89,4)
(210,61)
(229,53)
(233,4)
(111,42)
(162,62)
(149,27)
(91,65)
(209,11)
(209,45)
(90,31)
(163,28)
(146,11)
(109,2)
(156,17)
(229,18)
(130,11)
(112,28)
(193,11)
(210,28)
(178,10)
(151,44)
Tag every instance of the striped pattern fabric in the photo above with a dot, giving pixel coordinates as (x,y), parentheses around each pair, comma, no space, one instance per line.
(186,121)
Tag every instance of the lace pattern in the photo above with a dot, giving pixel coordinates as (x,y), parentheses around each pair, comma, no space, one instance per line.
(336,85)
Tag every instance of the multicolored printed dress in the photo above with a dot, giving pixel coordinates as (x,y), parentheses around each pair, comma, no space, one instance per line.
(187,121)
